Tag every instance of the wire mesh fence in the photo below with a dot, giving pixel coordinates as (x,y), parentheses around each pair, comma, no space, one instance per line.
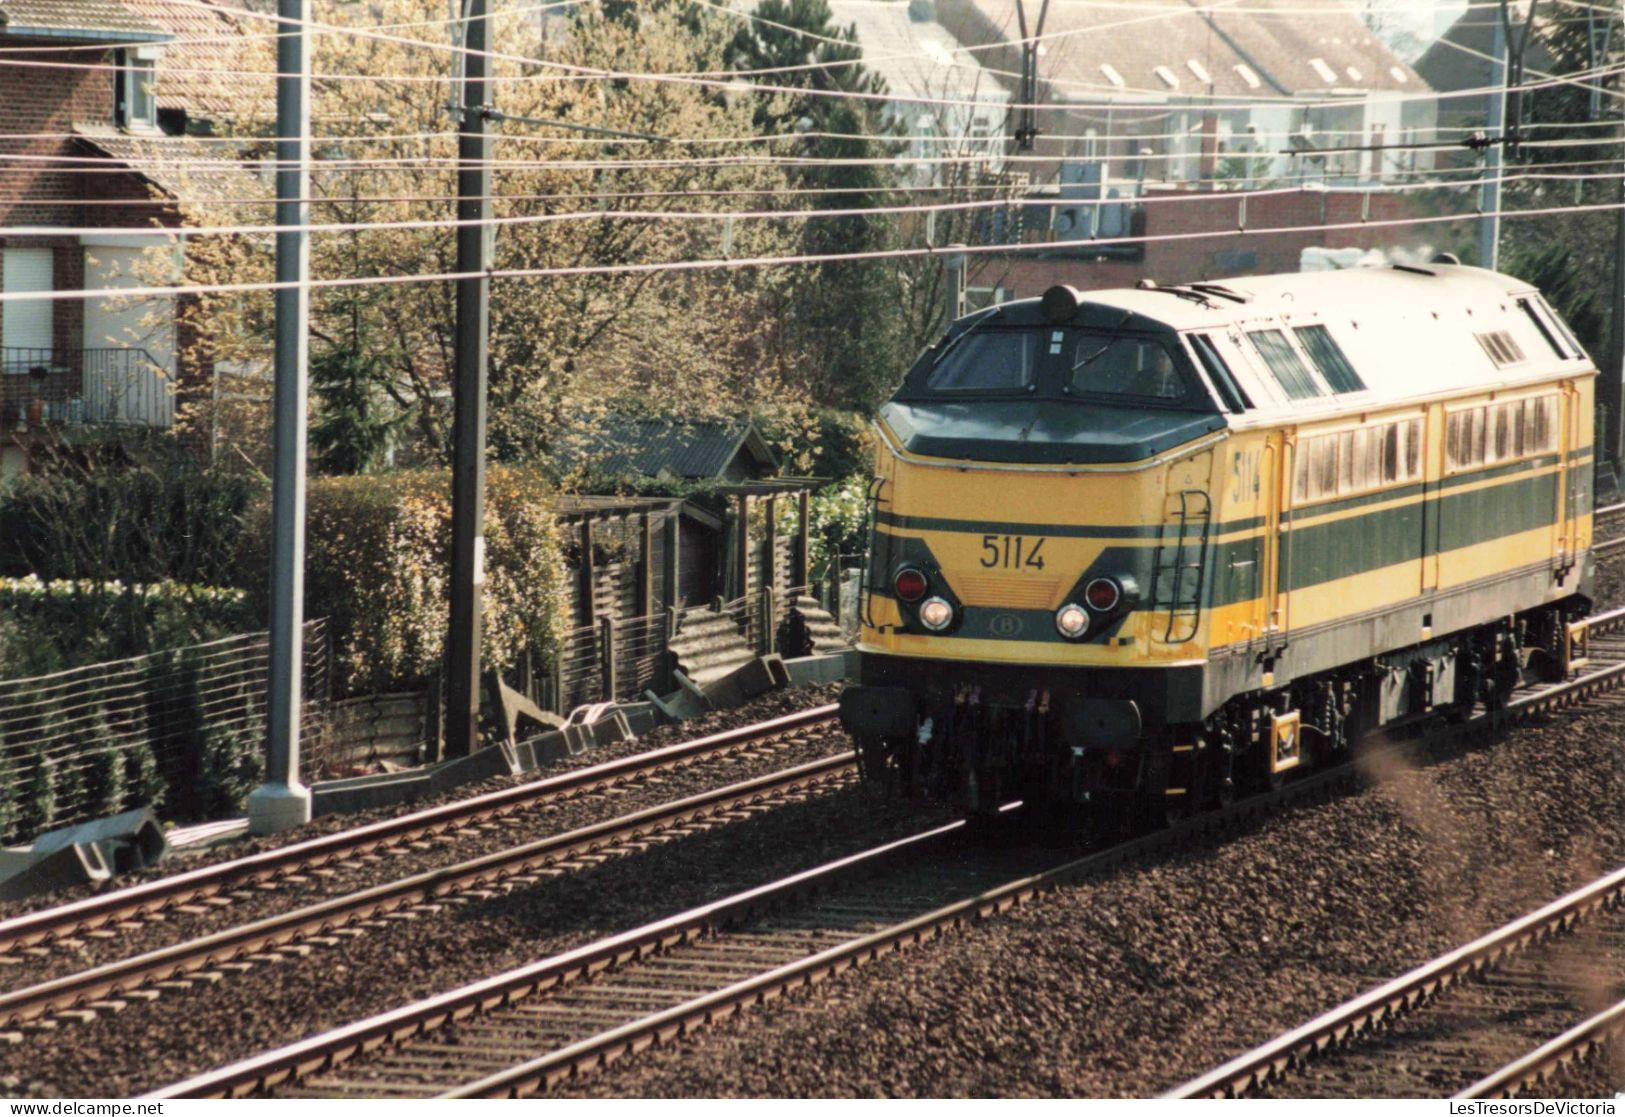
(181,729)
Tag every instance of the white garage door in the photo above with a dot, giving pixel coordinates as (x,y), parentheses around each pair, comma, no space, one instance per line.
(27,325)
(120,384)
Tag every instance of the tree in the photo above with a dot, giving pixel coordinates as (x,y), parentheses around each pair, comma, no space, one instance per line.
(1570,256)
(561,347)
(843,316)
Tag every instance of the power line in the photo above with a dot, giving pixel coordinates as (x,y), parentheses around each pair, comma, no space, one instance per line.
(741,263)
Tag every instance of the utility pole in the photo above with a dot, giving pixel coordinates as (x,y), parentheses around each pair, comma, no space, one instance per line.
(1027,116)
(953,285)
(469,389)
(282,801)
(1489,199)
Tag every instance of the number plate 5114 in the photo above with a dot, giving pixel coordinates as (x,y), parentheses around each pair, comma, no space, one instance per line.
(1012,552)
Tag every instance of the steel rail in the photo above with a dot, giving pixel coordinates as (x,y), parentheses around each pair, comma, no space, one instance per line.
(1270,1061)
(1546,1060)
(48,924)
(316,1053)
(271,1068)
(320,1052)
(167,963)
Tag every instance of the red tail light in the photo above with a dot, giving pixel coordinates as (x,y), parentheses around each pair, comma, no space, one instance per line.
(1102,595)
(910,584)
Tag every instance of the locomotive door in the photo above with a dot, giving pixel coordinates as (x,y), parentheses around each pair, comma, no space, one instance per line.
(1249,562)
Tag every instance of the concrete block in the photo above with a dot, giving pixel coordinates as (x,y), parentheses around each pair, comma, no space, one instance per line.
(760,675)
(132,840)
(362,793)
(815,669)
(687,701)
(482,765)
(79,863)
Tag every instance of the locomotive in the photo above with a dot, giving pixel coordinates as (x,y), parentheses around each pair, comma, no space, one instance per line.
(1134,550)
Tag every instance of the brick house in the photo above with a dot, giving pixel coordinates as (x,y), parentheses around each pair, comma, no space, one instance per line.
(1195,235)
(105,107)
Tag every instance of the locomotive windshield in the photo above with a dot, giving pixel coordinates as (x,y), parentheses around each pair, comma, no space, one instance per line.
(988,361)
(1124,366)
(1059,362)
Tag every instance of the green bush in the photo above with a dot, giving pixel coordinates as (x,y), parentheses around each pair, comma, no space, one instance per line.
(172,522)
(144,783)
(37,811)
(10,793)
(233,763)
(837,521)
(104,783)
(49,626)
(378,565)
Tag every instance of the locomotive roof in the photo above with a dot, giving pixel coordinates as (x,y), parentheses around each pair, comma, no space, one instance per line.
(1408,332)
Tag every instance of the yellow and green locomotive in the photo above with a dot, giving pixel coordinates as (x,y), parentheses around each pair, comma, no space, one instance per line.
(1139,548)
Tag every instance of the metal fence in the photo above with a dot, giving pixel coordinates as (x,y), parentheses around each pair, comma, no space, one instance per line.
(107,386)
(186,725)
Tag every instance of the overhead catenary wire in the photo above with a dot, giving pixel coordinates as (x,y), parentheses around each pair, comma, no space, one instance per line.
(756,262)
(1507,175)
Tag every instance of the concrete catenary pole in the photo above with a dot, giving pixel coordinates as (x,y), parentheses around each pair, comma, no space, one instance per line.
(468,421)
(282,801)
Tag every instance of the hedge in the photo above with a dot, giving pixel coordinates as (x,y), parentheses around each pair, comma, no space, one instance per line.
(377,566)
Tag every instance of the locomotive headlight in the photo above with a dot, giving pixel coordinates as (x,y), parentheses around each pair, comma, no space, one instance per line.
(1071,620)
(936,614)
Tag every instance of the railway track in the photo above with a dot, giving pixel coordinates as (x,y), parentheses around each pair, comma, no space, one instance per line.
(79,996)
(125,909)
(1614,514)
(1472,1023)
(522,1031)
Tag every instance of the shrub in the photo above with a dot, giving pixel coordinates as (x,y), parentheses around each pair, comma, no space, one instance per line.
(10,792)
(233,763)
(172,522)
(837,521)
(144,783)
(68,623)
(378,566)
(175,728)
(37,811)
(104,783)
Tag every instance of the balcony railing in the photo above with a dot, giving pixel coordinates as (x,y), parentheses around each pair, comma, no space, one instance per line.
(92,387)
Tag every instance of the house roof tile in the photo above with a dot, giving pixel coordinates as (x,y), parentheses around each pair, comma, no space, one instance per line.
(94,20)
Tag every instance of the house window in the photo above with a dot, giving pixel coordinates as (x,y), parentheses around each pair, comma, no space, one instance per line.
(135,102)
(26,328)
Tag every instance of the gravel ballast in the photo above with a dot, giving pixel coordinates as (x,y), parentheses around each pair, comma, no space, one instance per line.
(1135,984)
(180,1035)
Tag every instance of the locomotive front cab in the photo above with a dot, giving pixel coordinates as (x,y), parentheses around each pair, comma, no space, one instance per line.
(1035,611)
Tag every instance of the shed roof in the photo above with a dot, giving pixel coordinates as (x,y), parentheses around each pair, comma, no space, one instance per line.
(695,449)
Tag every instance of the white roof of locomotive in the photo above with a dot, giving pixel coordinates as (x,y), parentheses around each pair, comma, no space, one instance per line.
(1409,334)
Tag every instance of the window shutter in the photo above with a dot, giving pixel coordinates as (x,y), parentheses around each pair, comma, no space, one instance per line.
(28,325)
